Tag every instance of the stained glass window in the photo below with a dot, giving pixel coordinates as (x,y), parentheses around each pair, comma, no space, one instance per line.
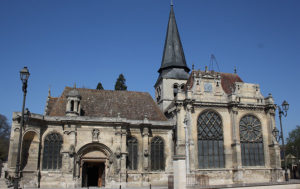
(251,141)
(210,141)
(157,154)
(51,154)
(132,158)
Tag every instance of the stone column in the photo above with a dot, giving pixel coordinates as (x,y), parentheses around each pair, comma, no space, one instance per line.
(145,149)
(123,155)
(145,155)
(236,148)
(75,106)
(13,147)
(68,105)
(179,172)
(180,146)
(274,149)
(117,144)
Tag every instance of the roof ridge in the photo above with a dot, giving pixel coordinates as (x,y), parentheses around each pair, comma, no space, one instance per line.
(96,90)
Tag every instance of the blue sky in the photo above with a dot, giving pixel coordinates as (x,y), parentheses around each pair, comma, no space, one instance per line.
(84,42)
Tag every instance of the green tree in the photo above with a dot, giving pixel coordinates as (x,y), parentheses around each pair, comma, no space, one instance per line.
(293,142)
(120,83)
(99,86)
(4,137)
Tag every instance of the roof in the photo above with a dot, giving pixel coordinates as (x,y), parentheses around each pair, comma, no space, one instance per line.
(173,55)
(227,80)
(107,103)
(73,93)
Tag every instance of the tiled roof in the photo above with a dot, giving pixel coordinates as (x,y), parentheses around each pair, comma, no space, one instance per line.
(51,102)
(107,103)
(227,80)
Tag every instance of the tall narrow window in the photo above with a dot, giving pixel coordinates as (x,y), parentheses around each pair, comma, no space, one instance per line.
(72,105)
(251,141)
(132,158)
(157,154)
(210,141)
(175,89)
(51,153)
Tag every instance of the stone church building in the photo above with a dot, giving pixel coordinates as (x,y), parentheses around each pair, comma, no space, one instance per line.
(216,124)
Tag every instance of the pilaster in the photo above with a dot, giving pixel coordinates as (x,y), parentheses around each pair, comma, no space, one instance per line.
(180,146)
(236,148)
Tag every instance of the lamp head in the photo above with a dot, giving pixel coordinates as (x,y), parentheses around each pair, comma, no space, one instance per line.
(24,74)
(285,106)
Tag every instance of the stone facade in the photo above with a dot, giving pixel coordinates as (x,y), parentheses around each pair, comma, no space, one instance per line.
(232,99)
(204,124)
(90,140)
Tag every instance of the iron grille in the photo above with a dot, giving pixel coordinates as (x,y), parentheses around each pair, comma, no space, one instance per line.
(51,154)
(251,141)
(157,154)
(210,141)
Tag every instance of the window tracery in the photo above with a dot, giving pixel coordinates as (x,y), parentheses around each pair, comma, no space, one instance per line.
(251,141)
(210,140)
(132,158)
(157,154)
(51,154)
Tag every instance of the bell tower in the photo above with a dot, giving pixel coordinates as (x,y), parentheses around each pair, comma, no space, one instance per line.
(173,72)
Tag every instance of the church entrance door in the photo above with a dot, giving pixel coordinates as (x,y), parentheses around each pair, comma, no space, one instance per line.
(93,174)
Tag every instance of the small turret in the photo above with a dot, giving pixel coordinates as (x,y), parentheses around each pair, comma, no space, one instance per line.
(73,103)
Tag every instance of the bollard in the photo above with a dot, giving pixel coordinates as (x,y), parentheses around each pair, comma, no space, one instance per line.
(120,187)
(150,186)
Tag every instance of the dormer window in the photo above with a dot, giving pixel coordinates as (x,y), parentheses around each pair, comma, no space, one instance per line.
(73,103)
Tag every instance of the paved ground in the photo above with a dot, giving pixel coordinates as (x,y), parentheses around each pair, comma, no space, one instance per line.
(292,184)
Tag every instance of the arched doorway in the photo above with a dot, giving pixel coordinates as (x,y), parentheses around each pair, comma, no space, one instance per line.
(30,150)
(93,163)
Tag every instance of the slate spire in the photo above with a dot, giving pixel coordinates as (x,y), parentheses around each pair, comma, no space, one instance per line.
(173,56)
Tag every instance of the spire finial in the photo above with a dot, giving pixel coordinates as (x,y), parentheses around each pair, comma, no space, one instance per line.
(172,3)
(49,91)
(193,66)
(235,69)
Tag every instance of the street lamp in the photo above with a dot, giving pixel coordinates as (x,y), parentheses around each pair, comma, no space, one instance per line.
(283,111)
(24,75)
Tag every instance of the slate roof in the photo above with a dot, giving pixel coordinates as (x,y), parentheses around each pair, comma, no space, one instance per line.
(107,103)
(173,55)
(227,80)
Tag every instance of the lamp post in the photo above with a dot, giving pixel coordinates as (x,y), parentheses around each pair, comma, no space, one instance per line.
(283,111)
(24,75)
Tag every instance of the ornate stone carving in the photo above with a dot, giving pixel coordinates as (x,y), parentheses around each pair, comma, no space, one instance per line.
(118,152)
(95,135)
(146,153)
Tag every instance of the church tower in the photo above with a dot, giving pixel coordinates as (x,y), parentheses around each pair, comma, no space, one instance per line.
(173,72)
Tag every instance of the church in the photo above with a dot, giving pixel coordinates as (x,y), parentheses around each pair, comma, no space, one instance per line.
(202,123)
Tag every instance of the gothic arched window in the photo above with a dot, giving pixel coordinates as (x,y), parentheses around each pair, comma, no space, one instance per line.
(157,154)
(51,154)
(210,140)
(132,158)
(251,141)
